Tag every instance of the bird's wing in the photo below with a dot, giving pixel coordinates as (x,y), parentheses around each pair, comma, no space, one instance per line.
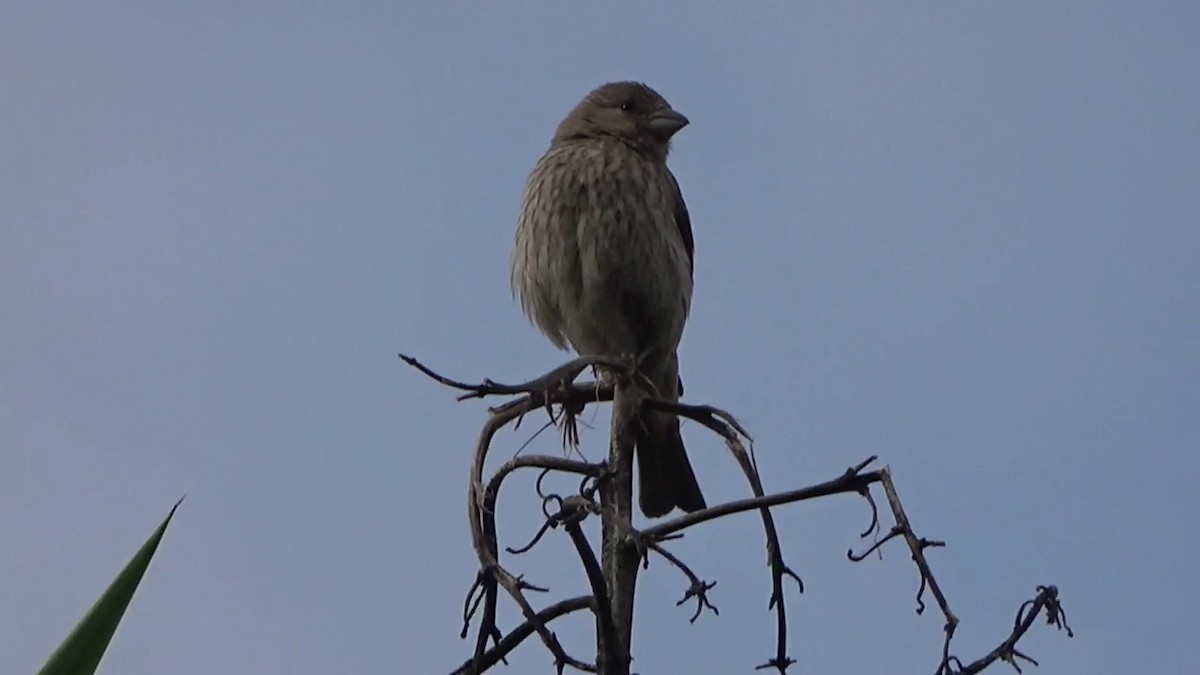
(684,222)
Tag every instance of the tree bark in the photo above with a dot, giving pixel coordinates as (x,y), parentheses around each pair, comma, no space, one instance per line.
(618,556)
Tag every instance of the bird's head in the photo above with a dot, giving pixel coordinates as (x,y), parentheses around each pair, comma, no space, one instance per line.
(630,112)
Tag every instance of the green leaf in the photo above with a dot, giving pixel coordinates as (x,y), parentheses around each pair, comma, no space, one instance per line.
(81,652)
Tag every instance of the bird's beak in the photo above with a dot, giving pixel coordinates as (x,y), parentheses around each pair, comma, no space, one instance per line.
(666,122)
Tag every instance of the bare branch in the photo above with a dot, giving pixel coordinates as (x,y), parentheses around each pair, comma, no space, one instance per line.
(847,482)
(505,645)
(1047,600)
(556,378)
(698,589)
(613,578)
(617,557)
(574,511)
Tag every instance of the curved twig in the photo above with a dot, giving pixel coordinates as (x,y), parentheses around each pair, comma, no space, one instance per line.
(516,636)
(575,509)
(697,589)
(1046,600)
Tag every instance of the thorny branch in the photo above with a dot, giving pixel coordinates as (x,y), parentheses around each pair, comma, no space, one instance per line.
(562,398)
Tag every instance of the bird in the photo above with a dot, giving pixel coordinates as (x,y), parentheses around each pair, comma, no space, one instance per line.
(603,262)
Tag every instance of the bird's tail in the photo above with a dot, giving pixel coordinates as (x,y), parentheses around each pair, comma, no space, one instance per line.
(665,476)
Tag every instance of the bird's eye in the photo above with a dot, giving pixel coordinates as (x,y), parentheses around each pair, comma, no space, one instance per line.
(627,106)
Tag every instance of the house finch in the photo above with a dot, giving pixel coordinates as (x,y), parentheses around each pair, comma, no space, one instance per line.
(603,261)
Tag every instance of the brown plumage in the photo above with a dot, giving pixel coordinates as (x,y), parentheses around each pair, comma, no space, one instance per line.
(603,260)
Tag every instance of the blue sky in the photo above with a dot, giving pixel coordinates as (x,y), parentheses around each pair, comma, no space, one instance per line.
(961,236)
